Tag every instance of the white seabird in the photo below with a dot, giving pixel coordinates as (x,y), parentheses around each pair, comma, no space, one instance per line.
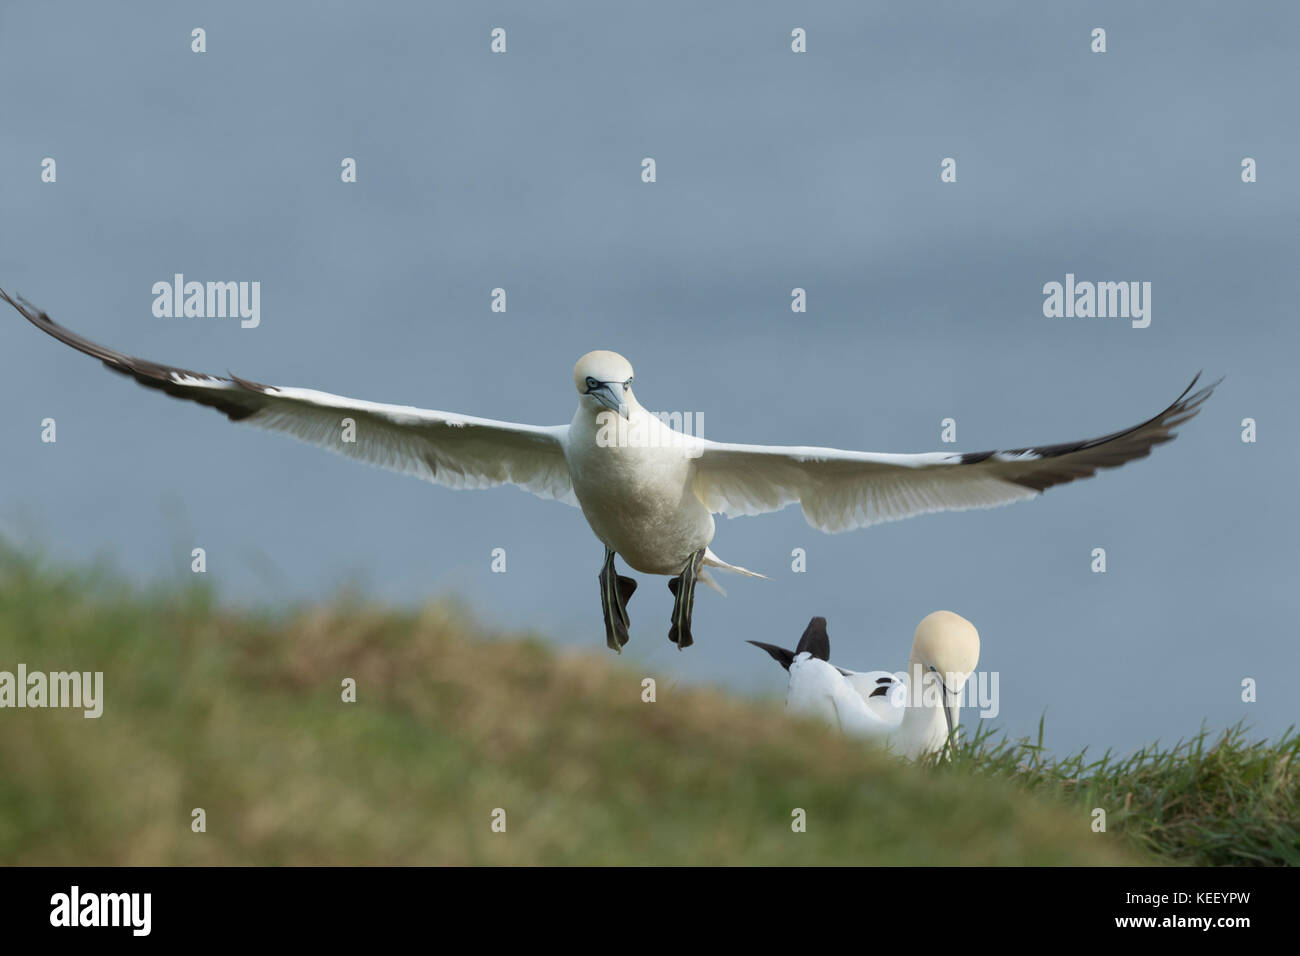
(912,718)
(652,499)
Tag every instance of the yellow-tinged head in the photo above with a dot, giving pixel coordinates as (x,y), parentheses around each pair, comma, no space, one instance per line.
(605,379)
(945,651)
(948,644)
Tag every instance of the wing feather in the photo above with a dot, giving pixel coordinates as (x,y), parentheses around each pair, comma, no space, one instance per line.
(458,451)
(842,490)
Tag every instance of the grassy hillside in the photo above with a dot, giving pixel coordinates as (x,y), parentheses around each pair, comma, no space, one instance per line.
(240,714)
(1213,799)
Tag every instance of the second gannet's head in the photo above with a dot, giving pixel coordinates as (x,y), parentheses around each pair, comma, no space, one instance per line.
(946,648)
(604,379)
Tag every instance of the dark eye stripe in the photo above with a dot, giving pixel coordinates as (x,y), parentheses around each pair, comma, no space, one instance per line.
(593,385)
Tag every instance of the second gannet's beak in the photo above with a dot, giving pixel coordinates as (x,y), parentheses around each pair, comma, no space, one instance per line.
(949,709)
(612,395)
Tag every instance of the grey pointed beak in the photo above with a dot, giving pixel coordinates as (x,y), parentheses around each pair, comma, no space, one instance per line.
(949,707)
(613,396)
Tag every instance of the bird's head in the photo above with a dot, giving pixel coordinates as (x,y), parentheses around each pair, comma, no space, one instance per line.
(604,379)
(946,648)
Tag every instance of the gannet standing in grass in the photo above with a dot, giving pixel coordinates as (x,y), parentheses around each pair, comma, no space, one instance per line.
(876,704)
(650,500)
(855,701)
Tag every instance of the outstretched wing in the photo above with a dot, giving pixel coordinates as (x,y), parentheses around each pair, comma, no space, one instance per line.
(458,451)
(842,490)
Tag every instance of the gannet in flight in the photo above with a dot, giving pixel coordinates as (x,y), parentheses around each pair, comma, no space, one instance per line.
(650,499)
(876,704)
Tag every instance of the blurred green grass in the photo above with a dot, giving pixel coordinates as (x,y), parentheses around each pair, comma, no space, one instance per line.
(1211,799)
(240,713)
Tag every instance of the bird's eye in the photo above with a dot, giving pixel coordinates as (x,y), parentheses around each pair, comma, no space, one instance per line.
(592,384)
(931,667)
(628,383)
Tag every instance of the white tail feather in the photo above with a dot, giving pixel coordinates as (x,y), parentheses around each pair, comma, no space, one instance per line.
(714,561)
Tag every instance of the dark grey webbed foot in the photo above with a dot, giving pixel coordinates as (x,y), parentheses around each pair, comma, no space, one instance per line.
(626,588)
(683,588)
(615,591)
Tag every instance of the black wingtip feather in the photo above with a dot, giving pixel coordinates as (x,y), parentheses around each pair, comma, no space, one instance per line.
(781,655)
(147,373)
(815,640)
(1108,451)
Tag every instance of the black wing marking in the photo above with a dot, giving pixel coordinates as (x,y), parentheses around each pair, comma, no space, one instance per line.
(815,640)
(781,655)
(1039,472)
